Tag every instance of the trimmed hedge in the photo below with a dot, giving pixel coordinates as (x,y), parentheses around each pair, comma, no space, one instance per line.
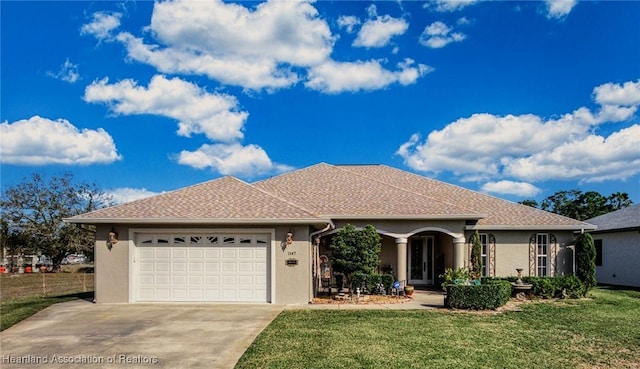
(568,286)
(491,295)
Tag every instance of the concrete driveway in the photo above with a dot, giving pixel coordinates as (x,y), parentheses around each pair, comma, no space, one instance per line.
(134,336)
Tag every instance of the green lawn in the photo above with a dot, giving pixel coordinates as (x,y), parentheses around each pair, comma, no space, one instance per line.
(600,332)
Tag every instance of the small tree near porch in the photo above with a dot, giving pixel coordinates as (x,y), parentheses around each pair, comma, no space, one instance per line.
(476,257)
(356,250)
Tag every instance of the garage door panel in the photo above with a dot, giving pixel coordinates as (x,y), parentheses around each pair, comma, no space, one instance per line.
(202,267)
(196,253)
(228,280)
(162,266)
(163,254)
(244,267)
(212,280)
(228,267)
(212,267)
(179,253)
(179,280)
(212,253)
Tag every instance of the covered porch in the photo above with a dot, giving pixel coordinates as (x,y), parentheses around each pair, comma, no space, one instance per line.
(416,258)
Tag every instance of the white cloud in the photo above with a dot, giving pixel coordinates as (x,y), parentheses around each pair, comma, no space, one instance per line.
(68,72)
(591,159)
(254,49)
(438,34)
(232,159)
(128,194)
(559,9)
(528,147)
(449,5)
(379,31)
(102,25)
(349,22)
(335,77)
(627,94)
(41,141)
(271,46)
(521,189)
(198,111)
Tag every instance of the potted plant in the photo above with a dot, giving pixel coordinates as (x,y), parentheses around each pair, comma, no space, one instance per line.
(408,290)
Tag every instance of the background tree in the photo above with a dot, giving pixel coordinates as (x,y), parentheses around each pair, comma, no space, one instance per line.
(476,257)
(586,261)
(355,250)
(34,211)
(582,205)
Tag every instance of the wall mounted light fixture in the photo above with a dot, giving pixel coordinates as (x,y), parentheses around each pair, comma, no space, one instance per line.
(289,237)
(112,238)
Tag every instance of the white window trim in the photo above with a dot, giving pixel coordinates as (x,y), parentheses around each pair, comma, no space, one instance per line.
(545,255)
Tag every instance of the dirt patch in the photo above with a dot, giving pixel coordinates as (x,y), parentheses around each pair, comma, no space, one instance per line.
(16,286)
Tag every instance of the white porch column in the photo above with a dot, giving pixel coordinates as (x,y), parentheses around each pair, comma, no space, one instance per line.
(458,252)
(401,269)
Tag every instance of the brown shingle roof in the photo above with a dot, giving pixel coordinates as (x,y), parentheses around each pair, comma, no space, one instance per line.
(337,192)
(499,212)
(222,199)
(323,192)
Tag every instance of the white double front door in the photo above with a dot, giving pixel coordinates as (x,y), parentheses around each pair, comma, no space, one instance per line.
(421,260)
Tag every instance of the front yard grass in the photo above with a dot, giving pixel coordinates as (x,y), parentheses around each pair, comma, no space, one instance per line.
(600,332)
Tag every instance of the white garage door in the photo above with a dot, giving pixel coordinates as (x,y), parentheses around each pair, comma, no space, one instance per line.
(201,267)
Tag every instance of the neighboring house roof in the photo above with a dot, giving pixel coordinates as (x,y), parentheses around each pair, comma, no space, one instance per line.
(324,192)
(626,218)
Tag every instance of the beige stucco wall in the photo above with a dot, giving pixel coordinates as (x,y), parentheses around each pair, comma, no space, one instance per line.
(111,266)
(620,258)
(512,251)
(292,283)
(404,227)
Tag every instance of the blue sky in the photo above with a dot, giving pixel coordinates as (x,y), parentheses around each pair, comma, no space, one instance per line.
(516,99)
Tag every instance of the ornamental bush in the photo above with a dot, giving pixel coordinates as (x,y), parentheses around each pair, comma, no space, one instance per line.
(570,286)
(544,287)
(355,250)
(586,261)
(451,275)
(482,297)
(387,281)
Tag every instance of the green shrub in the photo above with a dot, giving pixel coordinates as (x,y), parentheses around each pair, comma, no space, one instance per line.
(586,261)
(387,281)
(570,286)
(372,282)
(482,297)
(544,287)
(357,279)
(451,275)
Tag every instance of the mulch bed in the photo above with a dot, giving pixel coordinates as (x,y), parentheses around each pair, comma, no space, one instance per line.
(364,300)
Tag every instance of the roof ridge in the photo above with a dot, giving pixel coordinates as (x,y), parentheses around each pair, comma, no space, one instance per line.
(285,201)
(291,172)
(469,211)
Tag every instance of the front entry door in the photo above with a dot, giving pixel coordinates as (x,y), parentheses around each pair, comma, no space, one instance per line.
(421,260)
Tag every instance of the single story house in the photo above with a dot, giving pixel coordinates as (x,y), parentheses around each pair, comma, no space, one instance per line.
(617,241)
(228,240)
